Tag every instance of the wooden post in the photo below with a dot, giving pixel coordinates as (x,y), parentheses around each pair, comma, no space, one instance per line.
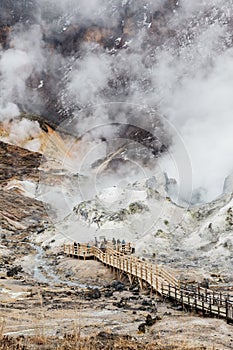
(195,300)
(156,282)
(230,312)
(203,304)
(227,315)
(151,280)
(140,283)
(227,308)
(198,291)
(130,278)
(210,305)
(182,298)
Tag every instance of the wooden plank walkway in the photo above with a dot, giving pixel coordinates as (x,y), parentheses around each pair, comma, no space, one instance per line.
(157,278)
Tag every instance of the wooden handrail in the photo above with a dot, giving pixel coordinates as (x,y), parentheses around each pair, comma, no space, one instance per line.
(159,279)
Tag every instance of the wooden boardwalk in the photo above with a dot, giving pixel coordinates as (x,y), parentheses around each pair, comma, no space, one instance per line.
(157,279)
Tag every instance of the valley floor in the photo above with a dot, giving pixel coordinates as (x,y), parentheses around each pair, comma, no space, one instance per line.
(50,316)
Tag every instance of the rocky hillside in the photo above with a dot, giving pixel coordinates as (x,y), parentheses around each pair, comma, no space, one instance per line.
(134,70)
(21,214)
(137,89)
(61,37)
(20,211)
(65,40)
(115,122)
(18,163)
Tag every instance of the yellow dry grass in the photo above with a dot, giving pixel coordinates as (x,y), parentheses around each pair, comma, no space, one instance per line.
(101,341)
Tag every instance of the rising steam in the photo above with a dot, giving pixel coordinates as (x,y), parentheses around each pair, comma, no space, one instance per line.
(184,73)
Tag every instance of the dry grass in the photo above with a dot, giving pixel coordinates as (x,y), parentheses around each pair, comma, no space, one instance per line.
(101,341)
(104,340)
(74,341)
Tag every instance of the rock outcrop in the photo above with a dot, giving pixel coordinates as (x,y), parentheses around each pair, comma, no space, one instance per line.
(18,163)
(19,213)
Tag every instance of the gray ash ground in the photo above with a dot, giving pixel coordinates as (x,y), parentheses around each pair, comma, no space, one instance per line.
(104,304)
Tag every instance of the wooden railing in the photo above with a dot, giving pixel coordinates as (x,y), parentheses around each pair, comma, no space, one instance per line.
(158,279)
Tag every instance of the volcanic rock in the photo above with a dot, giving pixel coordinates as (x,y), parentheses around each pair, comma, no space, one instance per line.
(21,213)
(18,163)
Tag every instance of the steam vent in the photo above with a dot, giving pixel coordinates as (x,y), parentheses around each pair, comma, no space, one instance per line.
(116,174)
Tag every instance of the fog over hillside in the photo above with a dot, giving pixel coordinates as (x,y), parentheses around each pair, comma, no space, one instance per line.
(164,67)
(116,174)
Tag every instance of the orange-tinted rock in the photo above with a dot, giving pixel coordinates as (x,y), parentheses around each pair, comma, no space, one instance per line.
(97,35)
(4,35)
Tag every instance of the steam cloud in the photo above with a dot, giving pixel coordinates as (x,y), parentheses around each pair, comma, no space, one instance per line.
(186,77)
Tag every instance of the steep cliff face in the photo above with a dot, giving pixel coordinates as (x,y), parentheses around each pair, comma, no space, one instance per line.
(122,42)
(64,32)
(20,211)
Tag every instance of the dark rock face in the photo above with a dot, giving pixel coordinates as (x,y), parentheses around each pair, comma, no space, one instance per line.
(14,271)
(149,320)
(118,286)
(118,32)
(14,11)
(18,163)
(92,294)
(148,323)
(20,213)
(17,211)
(4,34)
(65,33)
(142,328)
(122,303)
(108,294)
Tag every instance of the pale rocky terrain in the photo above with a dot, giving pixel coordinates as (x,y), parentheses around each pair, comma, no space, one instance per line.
(29,308)
(43,292)
(92,103)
